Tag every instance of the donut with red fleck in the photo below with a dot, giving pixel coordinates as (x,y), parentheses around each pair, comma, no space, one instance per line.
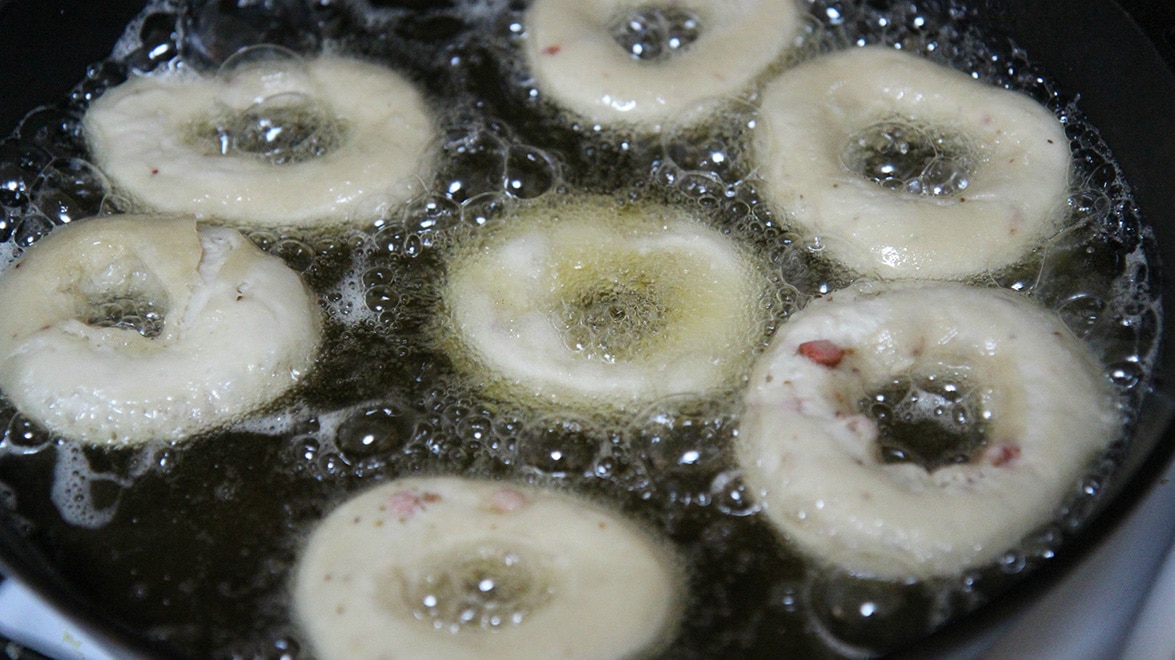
(448,567)
(912,431)
(898,167)
(274,140)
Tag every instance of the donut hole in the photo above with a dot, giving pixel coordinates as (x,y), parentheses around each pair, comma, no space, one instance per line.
(902,156)
(616,318)
(933,421)
(483,588)
(126,296)
(125,312)
(652,34)
(284,129)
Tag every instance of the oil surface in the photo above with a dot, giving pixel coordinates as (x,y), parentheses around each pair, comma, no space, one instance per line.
(193,543)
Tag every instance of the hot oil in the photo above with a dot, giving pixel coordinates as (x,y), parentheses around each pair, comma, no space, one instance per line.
(193,543)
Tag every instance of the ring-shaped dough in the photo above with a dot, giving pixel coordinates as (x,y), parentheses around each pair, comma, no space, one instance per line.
(592,302)
(236,329)
(1017,181)
(812,456)
(154,137)
(576,61)
(459,568)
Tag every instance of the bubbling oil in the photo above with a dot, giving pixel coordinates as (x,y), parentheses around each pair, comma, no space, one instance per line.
(193,543)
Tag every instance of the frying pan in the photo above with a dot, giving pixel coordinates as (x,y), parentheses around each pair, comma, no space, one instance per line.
(1090,47)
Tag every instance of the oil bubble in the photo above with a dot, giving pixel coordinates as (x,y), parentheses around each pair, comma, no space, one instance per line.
(559,447)
(297,255)
(684,433)
(24,436)
(731,496)
(872,615)
(376,430)
(529,172)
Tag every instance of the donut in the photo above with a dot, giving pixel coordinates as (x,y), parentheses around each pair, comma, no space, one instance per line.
(445,567)
(592,303)
(901,168)
(272,142)
(915,431)
(125,329)
(639,63)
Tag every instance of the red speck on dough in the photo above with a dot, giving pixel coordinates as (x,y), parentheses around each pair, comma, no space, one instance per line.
(822,351)
(1015,223)
(431,498)
(405,504)
(1002,454)
(154,171)
(507,500)
(552,50)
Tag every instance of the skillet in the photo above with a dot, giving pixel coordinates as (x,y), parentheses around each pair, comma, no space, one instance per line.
(1089,46)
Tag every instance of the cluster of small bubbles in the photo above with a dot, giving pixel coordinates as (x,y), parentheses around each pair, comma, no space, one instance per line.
(127,312)
(656,33)
(731,495)
(99,77)
(710,137)
(1084,498)
(462,431)
(932,420)
(485,588)
(284,129)
(83,496)
(487,159)
(902,156)
(685,433)
(619,466)
(415,231)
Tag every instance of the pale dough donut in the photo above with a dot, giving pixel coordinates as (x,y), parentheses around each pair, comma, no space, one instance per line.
(1016,158)
(575,59)
(235,329)
(458,568)
(813,458)
(595,303)
(156,137)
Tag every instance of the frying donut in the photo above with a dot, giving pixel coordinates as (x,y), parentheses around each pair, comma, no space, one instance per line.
(1016,408)
(902,168)
(275,142)
(458,568)
(594,303)
(639,63)
(125,329)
